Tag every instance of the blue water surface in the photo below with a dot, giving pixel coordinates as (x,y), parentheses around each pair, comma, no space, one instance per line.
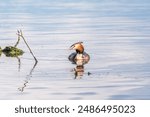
(115,33)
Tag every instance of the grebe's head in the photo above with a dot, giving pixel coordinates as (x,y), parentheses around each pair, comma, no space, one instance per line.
(78,47)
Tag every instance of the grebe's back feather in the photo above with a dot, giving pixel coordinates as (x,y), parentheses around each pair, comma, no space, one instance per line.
(72,56)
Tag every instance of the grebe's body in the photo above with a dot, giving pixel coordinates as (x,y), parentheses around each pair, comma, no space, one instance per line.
(79,56)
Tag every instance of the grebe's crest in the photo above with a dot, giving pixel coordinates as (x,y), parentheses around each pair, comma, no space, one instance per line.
(75,45)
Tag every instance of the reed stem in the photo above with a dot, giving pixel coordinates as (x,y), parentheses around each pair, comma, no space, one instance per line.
(20,34)
(17,40)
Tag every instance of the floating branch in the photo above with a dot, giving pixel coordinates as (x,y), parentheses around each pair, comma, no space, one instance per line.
(20,34)
(17,40)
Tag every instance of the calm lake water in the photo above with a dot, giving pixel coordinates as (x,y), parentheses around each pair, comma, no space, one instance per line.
(115,33)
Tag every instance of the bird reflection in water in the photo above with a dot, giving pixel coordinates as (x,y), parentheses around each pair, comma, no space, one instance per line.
(80,58)
(78,70)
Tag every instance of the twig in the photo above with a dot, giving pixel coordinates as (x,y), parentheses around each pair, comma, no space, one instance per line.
(17,40)
(21,35)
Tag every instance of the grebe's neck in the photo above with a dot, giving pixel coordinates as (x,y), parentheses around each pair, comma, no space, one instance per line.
(80,49)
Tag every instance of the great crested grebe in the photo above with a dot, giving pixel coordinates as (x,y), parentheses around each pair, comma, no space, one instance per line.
(79,55)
